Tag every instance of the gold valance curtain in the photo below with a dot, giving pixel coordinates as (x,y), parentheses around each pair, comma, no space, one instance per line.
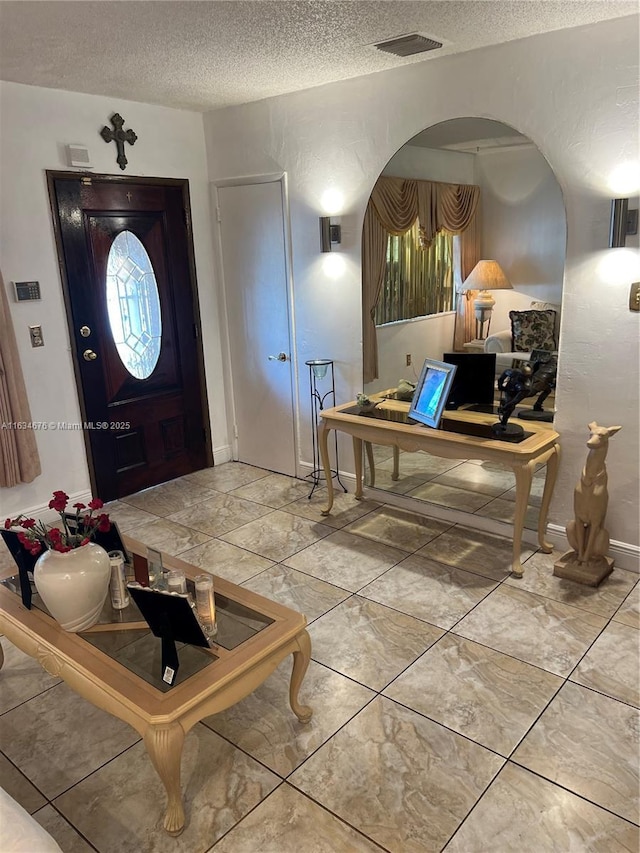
(394,206)
(19,461)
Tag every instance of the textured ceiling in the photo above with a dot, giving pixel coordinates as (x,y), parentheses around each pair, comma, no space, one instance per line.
(204,55)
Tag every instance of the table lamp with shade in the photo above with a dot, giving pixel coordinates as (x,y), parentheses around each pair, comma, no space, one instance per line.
(485,277)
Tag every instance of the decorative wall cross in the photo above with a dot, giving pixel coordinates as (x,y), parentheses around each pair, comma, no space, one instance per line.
(119,136)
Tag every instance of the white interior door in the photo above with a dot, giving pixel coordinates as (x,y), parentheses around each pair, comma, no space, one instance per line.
(254,266)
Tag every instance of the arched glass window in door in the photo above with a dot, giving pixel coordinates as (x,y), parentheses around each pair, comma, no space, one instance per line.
(133,304)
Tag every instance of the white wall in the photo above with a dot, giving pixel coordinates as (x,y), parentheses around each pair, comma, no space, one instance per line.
(577,104)
(523,228)
(424,337)
(36,124)
(432,164)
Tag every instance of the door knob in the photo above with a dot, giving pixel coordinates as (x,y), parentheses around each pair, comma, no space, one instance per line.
(85,331)
(282,356)
(89,355)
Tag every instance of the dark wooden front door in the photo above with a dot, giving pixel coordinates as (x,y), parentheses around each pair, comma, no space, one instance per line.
(127,266)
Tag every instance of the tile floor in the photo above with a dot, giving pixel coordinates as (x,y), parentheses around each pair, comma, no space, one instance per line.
(455,708)
(474,486)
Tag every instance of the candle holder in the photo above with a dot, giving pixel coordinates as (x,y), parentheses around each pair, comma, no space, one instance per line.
(321,375)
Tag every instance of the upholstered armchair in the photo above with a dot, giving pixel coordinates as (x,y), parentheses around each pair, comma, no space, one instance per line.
(536,328)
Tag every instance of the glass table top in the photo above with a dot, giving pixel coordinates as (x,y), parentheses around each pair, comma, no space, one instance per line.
(140,651)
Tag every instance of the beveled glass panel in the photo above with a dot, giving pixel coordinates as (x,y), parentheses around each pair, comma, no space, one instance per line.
(133,305)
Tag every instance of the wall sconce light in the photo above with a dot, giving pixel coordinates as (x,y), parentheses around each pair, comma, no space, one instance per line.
(329,233)
(623,222)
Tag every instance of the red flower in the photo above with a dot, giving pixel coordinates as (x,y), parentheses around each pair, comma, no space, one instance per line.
(35,548)
(8,523)
(96,503)
(59,501)
(103,523)
(28,523)
(85,541)
(79,506)
(54,534)
(24,539)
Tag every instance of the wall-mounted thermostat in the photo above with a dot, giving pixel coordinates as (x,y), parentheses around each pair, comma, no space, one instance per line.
(27,291)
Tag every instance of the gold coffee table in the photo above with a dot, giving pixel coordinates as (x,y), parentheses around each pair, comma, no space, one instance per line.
(116,666)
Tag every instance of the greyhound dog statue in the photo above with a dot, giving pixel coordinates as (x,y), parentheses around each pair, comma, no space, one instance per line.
(586,532)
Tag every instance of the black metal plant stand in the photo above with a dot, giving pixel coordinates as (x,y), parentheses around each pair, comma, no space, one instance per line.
(321,373)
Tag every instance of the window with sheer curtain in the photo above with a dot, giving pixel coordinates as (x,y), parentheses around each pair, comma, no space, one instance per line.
(419,280)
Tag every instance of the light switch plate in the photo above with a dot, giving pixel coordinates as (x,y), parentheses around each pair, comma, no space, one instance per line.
(634,296)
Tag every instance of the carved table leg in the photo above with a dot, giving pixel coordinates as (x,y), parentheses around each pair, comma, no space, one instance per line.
(549,482)
(1,656)
(372,465)
(396,462)
(357,455)
(524,477)
(164,746)
(301,658)
(326,465)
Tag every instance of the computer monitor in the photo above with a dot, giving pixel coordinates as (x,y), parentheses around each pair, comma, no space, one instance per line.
(474,380)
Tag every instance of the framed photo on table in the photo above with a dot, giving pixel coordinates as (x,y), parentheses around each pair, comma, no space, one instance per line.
(432,392)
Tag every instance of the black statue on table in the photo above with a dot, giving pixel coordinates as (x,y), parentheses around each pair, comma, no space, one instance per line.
(515,384)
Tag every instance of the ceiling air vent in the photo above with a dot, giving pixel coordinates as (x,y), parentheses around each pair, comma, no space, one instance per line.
(408,45)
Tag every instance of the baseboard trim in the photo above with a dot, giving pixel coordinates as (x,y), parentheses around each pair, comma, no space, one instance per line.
(222,454)
(624,555)
(43,512)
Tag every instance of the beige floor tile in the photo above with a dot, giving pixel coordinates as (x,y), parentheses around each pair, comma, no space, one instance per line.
(369,642)
(169,537)
(398,528)
(437,493)
(421,465)
(169,497)
(21,677)
(62,831)
(274,490)
(536,630)
(482,694)
(19,787)
(381,452)
(121,806)
(297,590)
(629,611)
(428,590)
(477,479)
(219,514)
(612,664)
(126,516)
(402,486)
(604,600)
(569,746)
(473,551)
(504,510)
(228,476)
(524,813)
(345,507)
(346,560)
(401,779)
(535,495)
(277,536)
(57,738)
(264,725)
(289,822)
(225,560)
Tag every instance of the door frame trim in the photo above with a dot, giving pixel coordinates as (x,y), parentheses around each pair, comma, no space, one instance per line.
(52,176)
(247,180)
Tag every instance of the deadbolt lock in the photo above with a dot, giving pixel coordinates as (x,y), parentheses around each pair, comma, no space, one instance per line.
(89,355)
(85,331)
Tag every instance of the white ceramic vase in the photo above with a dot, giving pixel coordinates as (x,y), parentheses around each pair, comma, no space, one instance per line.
(74,585)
